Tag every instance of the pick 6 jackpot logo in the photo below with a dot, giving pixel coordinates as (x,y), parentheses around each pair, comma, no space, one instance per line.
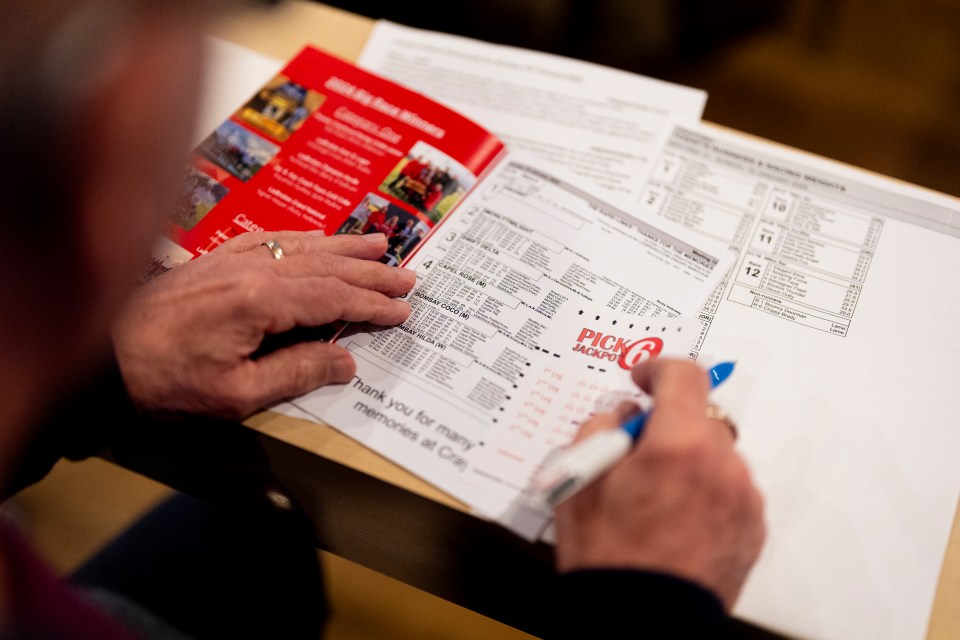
(640,351)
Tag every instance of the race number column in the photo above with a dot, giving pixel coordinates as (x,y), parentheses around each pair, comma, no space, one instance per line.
(807,260)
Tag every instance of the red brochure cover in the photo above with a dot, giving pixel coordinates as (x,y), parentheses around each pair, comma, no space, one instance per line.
(327,145)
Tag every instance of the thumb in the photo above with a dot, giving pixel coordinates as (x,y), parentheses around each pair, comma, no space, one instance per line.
(303,367)
(601,422)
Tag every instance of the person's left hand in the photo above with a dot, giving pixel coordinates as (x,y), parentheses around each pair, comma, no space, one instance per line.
(185,340)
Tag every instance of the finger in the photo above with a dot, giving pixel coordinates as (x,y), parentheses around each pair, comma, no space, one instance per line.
(717,414)
(666,378)
(300,369)
(316,301)
(368,247)
(350,258)
(677,384)
(368,274)
(679,389)
(294,243)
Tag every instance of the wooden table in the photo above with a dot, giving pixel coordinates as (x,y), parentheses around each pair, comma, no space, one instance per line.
(365,508)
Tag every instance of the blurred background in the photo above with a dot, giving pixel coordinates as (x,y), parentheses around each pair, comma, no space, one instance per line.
(874,83)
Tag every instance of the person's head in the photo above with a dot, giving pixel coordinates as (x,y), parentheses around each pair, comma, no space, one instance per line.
(97,103)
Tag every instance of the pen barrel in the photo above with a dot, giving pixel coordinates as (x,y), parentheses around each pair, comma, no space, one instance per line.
(583,462)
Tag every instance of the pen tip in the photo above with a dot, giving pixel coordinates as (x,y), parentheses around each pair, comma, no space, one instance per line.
(720,372)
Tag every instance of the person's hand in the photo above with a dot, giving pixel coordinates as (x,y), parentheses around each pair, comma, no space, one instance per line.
(185,341)
(682,502)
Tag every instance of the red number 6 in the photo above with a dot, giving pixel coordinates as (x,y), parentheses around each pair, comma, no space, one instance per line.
(639,351)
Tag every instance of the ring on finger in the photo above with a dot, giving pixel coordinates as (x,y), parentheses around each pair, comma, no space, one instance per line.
(715,412)
(274,248)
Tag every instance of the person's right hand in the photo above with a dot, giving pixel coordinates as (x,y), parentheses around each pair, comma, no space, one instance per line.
(186,339)
(682,502)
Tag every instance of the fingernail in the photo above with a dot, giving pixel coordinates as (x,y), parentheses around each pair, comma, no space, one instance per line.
(404,308)
(375,238)
(316,232)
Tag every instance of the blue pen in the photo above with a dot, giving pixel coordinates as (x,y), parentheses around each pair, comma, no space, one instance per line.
(634,426)
(577,466)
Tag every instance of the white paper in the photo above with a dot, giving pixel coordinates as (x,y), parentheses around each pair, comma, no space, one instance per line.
(852,435)
(841,315)
(602,124)
(527,297)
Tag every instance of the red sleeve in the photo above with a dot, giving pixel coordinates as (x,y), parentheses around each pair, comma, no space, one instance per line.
(41,605)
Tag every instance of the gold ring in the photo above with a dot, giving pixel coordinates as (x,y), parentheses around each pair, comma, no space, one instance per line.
(716,413)
(274,249)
